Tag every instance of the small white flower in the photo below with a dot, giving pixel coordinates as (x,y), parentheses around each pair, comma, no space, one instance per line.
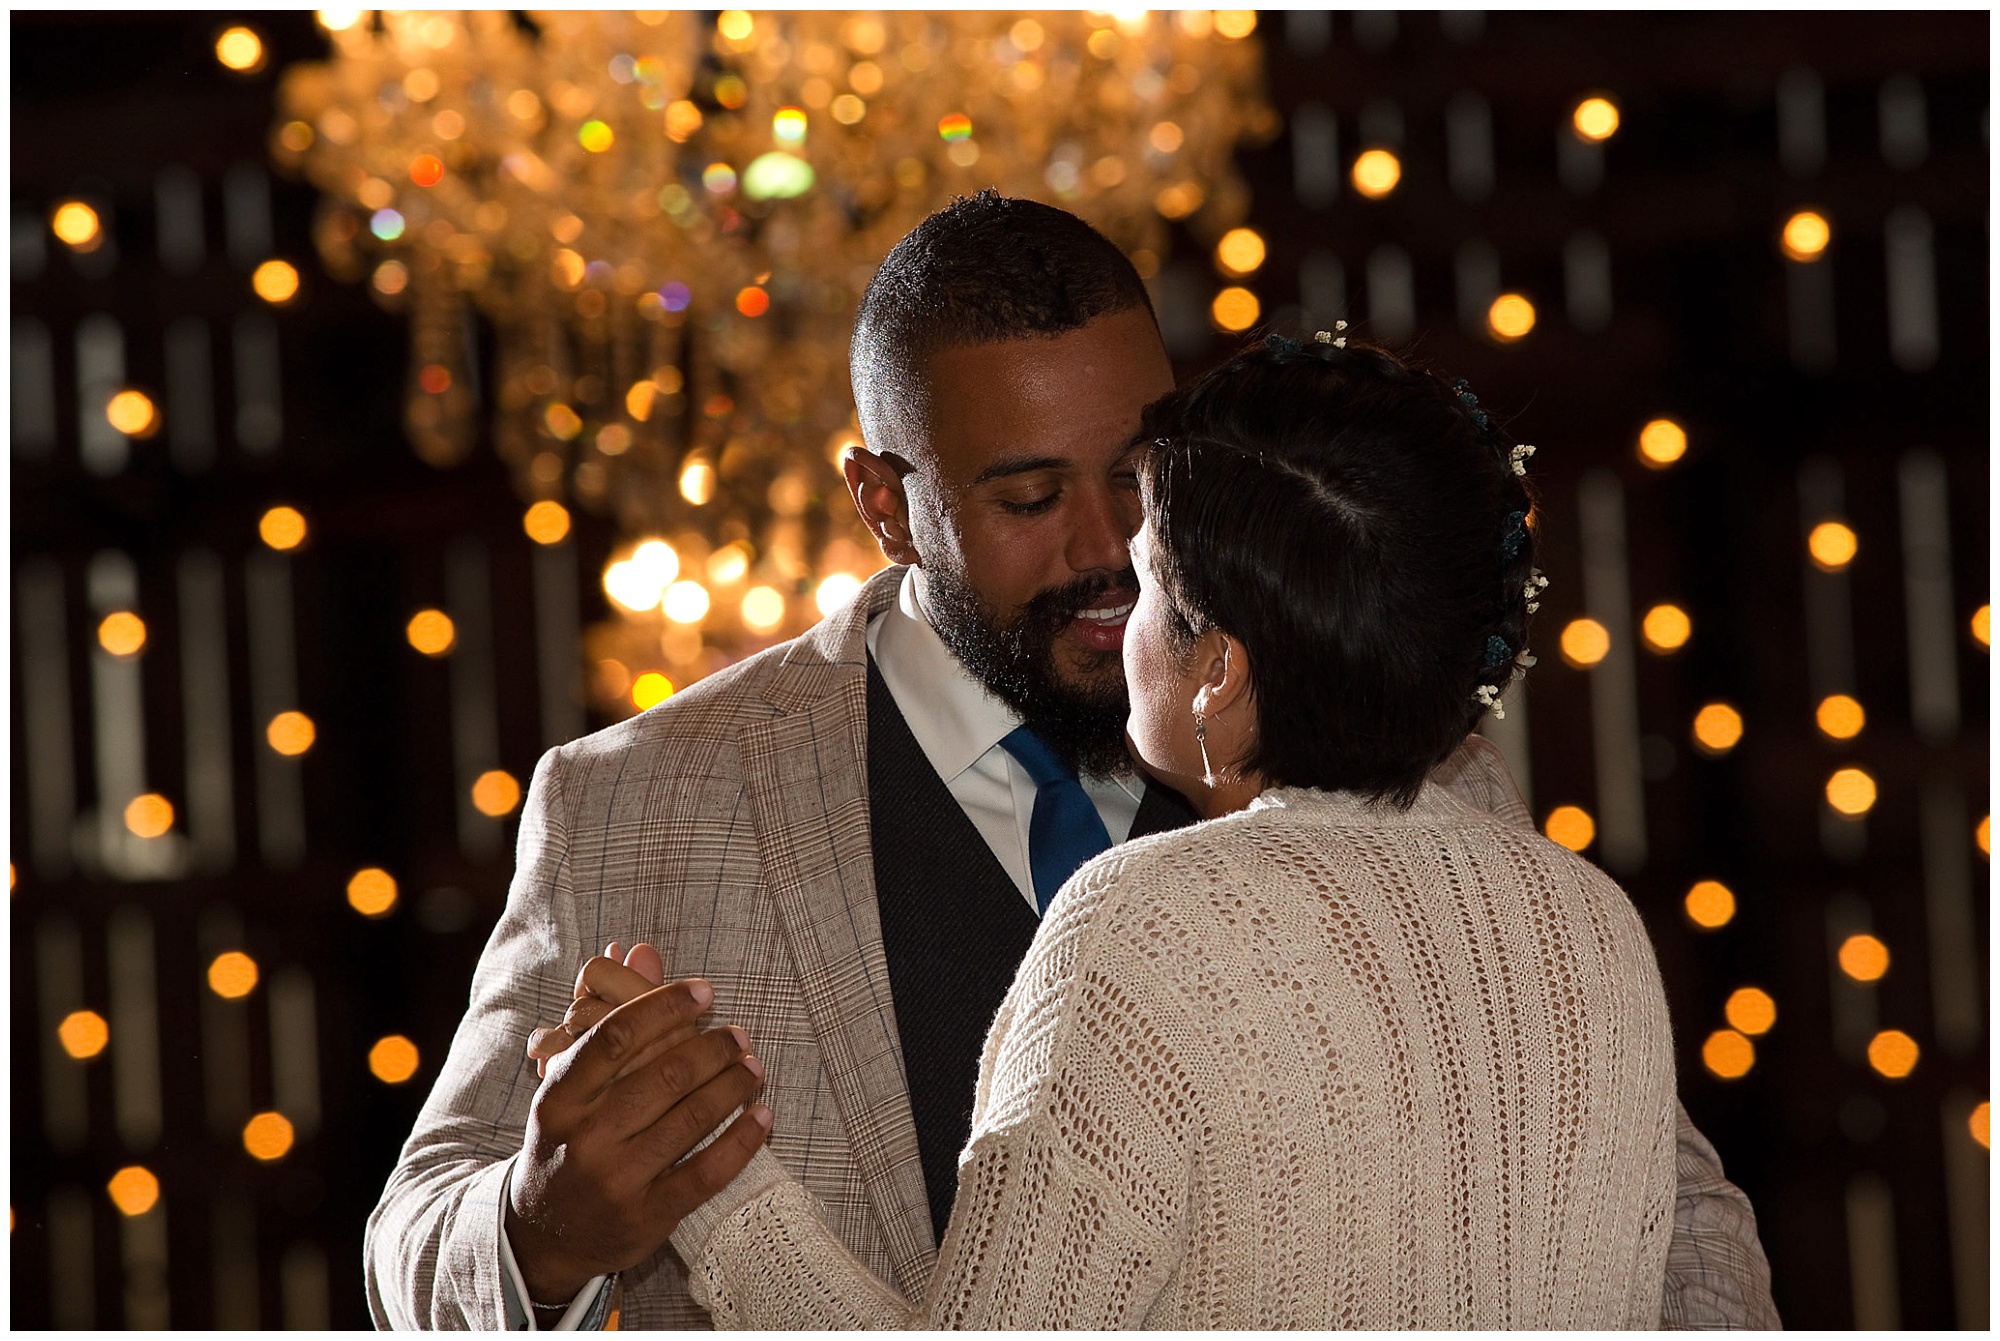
(1486,696)
(1518,458)
(1524,659)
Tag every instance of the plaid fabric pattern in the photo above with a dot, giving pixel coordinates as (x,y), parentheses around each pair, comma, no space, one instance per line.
(730,827)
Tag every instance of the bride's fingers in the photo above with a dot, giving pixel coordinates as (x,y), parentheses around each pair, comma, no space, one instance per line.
(645,960)
(583,1013)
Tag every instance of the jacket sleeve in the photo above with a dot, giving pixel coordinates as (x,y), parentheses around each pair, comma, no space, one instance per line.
(432,1249)
(1717,1278)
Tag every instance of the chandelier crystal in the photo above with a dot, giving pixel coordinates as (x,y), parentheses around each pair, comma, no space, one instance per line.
(666,219)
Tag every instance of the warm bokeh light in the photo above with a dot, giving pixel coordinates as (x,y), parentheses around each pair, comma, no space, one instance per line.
(426,170)
(1662,442)
(651,689)
(276,282)
(1240,252)
(240,49)
(763,608)
(75,224)
(338,20)
(1832,545)
(431,632)
(1982,625)
(268,1136)
(1840,716)
(1980,1123)
(1851,791)
(729,564)
(1728,1054)
(1983,835)
(1235,23)
(1235,309)
(697,482)
(1595,119)
(393,1059)
(753,301)
(836,591)
(1666,628)
(1717,728)
(1863,958)
(83,1034)
(134,1190)
(496,793)
(1511,317)
(132,413)
(232,974)
(282,528)
(637,583)
(1376,173)
(1893,1053)
(734,24)
(1806,235)
(1571,826)
(685,602)
(291,733)
(149,816)
(547,522)
(1750,1010)
(1710,904)
(1585,642)
(121,633)
(371,891)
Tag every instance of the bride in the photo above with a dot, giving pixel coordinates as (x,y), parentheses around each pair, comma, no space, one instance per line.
(1349,1052)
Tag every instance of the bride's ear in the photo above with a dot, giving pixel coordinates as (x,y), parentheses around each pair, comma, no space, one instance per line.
(1223,668)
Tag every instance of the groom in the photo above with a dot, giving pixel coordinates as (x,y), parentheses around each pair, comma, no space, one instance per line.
(850,837)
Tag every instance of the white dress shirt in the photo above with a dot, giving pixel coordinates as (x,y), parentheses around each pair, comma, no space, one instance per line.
(958,725)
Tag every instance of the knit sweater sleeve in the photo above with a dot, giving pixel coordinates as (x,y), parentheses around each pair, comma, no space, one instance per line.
(1068,1214)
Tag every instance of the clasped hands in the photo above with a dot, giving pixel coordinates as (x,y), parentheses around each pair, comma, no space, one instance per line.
(631,1084)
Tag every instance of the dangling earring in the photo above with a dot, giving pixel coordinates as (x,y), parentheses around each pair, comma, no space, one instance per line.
(1201,743)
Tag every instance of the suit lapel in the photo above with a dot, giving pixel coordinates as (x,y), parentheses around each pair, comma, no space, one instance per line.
(807,776)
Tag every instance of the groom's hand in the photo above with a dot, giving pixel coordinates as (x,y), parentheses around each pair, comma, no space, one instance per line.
(603,983)
(604,1174)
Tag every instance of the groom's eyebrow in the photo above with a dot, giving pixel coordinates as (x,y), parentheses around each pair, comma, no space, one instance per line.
(1019,465)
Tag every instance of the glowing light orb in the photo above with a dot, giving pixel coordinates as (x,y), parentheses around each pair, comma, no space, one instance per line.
(1750,1010)
(835,592)
(1662,442)
(149,816)
(122,633)
(685,602)
(1806,236)
(75,224)
(496,793)
(371,891)
(1510,317)
(83,1034)
(268,1136)
(1666,628)
(393,1059)
(1863,958)
(954,127)
(1717,728)
(232,975)
(763,608)
(651,689)
(1840,716)
(1710,904)
(1240,252)
(282,527)
(1376,173)
(291,733)
(1235,309)
(1728,1055)
(1595,119)
(134,1190)
(1893,1053)
(1585,642)
(1832,545)
(240,50)
(1570,826)
(132,413)
(1851,791)
(431,632)
(546,522)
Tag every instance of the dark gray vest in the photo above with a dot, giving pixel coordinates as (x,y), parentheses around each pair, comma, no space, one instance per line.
(954,928)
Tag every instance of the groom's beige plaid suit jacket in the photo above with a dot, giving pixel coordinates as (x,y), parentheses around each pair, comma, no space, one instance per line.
(730,827)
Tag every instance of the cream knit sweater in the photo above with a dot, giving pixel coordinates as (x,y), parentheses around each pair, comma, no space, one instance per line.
(1314,1064)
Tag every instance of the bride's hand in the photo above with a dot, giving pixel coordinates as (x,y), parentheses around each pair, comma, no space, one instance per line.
(605,982)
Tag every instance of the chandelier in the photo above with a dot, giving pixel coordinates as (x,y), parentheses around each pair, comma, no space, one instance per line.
(666,220)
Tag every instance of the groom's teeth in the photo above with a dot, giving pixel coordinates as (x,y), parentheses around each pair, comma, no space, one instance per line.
(1109,612)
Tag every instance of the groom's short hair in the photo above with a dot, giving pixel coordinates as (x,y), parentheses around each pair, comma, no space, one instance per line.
(983,269)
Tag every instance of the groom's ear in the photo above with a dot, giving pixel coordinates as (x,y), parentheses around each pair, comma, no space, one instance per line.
(875,483)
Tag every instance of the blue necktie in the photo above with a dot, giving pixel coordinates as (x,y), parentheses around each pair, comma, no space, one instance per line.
(1066,830)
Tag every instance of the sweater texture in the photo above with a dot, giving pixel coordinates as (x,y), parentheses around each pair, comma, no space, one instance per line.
(1319,1063)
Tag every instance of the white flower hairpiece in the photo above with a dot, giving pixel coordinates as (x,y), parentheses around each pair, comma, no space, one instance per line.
(1329,338)
(1518,458)
(1489,697)
(1532,589)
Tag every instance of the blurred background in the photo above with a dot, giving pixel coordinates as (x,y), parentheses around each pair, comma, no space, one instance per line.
(396,395)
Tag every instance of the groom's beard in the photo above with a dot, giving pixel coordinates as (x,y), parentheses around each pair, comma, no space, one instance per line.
(1015,659)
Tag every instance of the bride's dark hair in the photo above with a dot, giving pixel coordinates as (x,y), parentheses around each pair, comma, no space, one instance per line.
(1358,524)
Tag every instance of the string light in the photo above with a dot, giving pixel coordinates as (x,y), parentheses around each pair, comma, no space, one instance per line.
(291,733)
(1710,904)
(547,522)
(1863,958)
(1235,309)
(1728,1055)
(1851,791)
(276,282)
(835,592)
(393,1059)
(1717,728)
(121,633)
(1662,442)
(282,528)
(1570,826)
(1832,545)
(431,632)
(76,226)
(1982,625)
(1806,236)
(1510,318)
(1595,119)
(1241,252)
(763,608)
(371,891)
(132,413)
(685,602)
(1983,835)
(232,975)
(1666,628)
(496,793)
(1980,1124)
(1585,642)
(149,816)
(134,1190)
(1893,1053)
(83,1034)
(240,49)
(650,690)
(1840,716)
(1750,1010)
(268,1136)
(1376,173)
